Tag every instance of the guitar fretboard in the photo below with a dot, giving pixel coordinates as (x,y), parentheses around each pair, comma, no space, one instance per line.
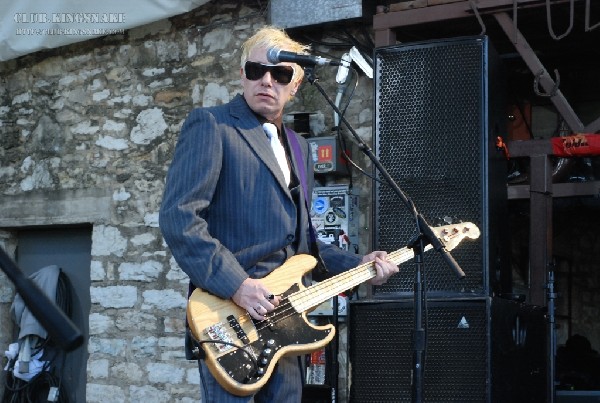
(321,292)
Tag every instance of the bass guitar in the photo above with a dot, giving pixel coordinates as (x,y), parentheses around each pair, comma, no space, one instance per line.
(241,352)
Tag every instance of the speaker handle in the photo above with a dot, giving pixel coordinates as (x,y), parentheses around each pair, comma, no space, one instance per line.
(425,237)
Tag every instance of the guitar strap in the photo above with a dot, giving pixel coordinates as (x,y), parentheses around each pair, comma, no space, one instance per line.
(319,272)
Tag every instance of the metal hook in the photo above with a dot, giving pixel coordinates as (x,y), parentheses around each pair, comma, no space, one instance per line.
(476,12)
(536,84)
(549,20)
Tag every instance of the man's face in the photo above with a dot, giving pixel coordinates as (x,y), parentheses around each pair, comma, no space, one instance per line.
(265,95)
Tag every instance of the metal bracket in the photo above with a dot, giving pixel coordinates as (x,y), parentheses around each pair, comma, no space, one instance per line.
(543,79)
(587,17)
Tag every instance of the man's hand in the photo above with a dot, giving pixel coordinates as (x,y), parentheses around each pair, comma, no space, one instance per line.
(255,298)
(385,269)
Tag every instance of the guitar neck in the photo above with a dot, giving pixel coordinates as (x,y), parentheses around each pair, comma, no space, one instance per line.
(324,290)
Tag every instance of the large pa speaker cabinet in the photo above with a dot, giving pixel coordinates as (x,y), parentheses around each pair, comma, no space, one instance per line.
(439,108)
(480,350)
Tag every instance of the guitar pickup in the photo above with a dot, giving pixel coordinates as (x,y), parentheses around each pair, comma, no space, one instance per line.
(235,325)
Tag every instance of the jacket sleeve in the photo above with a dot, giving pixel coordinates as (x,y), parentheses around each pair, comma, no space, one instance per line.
(190,186)
(338,260)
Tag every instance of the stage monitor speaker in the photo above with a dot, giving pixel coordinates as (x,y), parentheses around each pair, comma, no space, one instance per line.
(439,109)
(480,350)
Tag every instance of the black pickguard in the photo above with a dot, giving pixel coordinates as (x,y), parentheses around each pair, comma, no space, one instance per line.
(284,329)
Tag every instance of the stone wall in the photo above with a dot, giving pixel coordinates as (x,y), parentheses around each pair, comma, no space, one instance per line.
(87,134)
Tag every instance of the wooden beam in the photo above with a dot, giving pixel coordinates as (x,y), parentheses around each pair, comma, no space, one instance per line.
(401,16)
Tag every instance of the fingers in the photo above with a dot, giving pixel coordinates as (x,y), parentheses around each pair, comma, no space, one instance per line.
(256,298)
(385,269)
(374,255)
(255,314)
(260,310)
(263,305)
(269,302)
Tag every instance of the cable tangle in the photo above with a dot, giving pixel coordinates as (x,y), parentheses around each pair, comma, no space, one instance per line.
(47,385)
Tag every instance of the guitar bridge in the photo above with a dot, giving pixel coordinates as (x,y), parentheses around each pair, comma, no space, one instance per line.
(219,332)
(220,335)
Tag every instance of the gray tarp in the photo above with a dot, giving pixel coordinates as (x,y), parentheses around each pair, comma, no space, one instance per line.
(46,279)
(27,26)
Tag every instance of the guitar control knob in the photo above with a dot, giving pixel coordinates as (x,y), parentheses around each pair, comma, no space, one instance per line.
(260,372)
(263,362)
(270,343)
(267,352)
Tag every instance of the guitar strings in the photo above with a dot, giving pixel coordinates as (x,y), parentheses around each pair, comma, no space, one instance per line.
(286,308)
(310,293)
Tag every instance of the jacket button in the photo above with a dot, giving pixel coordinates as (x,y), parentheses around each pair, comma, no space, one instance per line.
(290,237)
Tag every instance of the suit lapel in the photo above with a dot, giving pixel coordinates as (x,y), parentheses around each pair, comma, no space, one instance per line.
(250,129)
(295,164)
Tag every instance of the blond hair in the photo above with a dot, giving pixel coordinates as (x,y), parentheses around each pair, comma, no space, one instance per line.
(273,37)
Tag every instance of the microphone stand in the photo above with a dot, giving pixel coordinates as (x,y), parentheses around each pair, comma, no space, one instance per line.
(60,328)
(425,236)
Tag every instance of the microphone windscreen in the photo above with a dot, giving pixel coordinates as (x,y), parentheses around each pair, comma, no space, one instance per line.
(273,55)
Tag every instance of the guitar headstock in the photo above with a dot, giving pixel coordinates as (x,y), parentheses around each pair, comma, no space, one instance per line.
(451,235)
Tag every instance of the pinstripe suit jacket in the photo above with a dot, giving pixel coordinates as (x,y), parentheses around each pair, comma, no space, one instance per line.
(227,213)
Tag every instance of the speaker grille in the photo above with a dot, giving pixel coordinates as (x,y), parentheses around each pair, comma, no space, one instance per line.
(433,137)
(477,350)
(381,352)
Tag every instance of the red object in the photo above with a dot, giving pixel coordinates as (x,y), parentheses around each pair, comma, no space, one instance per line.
(577,145)
(501,145)
(317,357)
(325,153)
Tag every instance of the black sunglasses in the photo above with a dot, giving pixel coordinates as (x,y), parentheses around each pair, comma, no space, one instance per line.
(281,74)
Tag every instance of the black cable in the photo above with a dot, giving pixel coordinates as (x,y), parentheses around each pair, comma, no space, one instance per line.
(361,47)
(243,349)
(37,389)
(346,42)
(17,390)
(342,141)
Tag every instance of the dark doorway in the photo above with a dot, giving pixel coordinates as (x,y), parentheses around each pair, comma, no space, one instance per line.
(70,249)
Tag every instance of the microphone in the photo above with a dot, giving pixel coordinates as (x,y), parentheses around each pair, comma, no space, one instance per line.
(344,69)
(275,56)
